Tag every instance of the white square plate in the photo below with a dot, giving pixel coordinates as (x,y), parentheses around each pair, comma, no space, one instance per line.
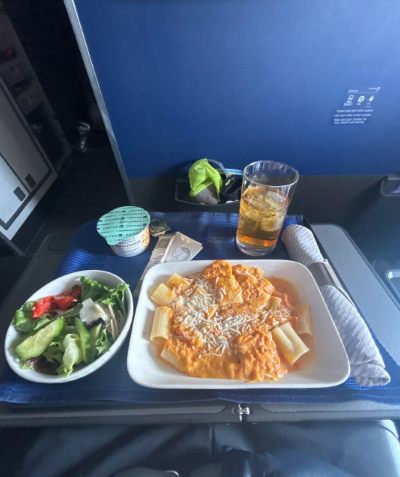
(329,366)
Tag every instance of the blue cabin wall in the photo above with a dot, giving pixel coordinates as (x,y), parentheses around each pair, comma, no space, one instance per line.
(243,80)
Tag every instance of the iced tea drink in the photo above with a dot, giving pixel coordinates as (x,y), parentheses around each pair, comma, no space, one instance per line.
(266,194)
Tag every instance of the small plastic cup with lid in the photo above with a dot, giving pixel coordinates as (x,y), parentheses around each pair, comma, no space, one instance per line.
(126,230)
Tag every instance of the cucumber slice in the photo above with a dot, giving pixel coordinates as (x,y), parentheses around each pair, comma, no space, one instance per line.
(86,344)
(95,334)
(35,345)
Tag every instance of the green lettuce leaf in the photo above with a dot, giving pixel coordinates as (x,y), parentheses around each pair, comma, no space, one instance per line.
(72,355)
(70,314)
(104,343)
(54,352)
(91,289)
(24,322)
(28,306)
(44,321)
(109,296)
(67,330)
(116,296)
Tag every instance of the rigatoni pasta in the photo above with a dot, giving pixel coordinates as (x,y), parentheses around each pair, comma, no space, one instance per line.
(160,329)
(168,356)
(289,342)
(304,326)
(163,295)
(179,283)
(230,322)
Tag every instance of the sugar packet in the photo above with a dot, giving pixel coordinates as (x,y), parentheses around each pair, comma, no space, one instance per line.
(157,256)
(170,248)
(182,249)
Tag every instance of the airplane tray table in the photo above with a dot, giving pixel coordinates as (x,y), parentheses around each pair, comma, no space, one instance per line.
(356,274)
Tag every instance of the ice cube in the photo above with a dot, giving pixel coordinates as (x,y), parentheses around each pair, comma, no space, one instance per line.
(257,203)
(252,213)
(248,226)
(272,221)
(275,199)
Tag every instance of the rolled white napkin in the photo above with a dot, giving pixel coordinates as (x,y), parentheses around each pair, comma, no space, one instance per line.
(367,366)
(301,245)
(366,363)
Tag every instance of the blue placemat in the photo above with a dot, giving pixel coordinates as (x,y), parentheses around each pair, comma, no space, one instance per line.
(216,231)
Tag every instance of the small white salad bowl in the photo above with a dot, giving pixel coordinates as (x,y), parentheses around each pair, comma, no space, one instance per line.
(61,285)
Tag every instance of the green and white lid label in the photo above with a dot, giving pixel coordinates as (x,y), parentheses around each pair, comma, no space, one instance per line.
(122,224)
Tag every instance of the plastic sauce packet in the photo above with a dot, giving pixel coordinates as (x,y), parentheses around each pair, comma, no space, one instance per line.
(170,248)
(158,226)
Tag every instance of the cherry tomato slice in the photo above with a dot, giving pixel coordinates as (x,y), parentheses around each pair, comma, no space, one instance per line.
(43,306)
(76,292)
(63,302)
(58,302)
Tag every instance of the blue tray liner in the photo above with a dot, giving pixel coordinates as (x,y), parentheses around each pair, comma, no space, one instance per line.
(216,231)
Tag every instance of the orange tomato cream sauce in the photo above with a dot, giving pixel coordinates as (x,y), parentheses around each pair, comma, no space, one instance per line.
(223,320)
